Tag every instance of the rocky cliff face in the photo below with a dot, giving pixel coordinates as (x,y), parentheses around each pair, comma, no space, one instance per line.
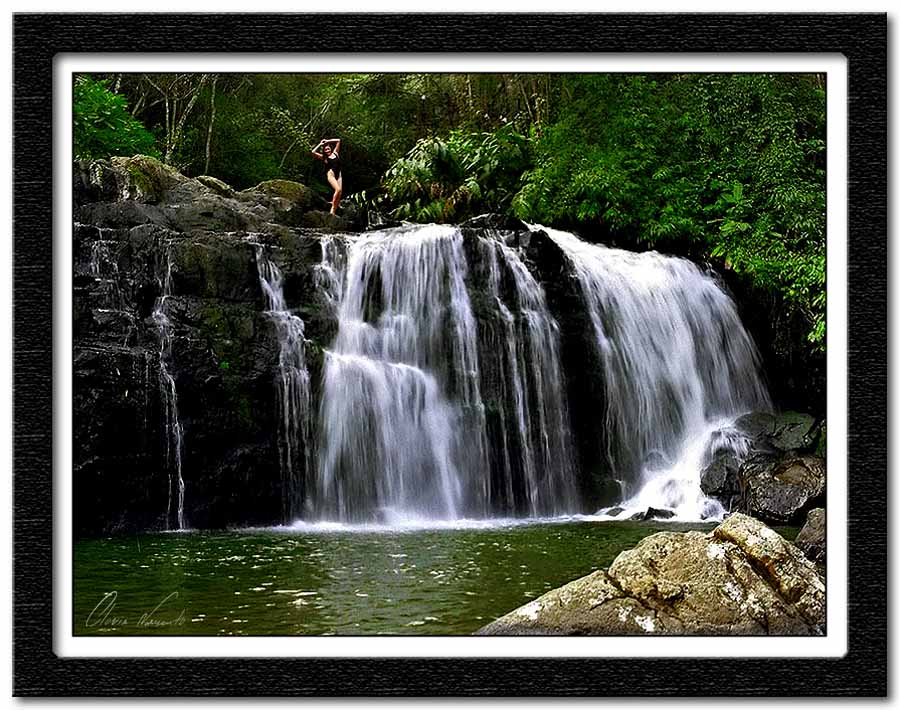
(150,243)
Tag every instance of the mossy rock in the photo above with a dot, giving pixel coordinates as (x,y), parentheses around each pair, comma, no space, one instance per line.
(216,185)
(146,178)
(285,189)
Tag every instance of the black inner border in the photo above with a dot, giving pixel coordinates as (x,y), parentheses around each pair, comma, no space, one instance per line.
(37,671)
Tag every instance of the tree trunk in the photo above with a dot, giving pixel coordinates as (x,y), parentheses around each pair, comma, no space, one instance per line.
(212,118)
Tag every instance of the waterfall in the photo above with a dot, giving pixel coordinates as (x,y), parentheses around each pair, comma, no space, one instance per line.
(105,270)
(294,437)
(677,364)
(443,395)
(172,425)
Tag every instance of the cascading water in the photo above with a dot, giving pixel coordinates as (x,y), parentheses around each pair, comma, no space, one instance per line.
(104,267)
(403,426)
(533,418)
(169,396)
(294,434)
(402,419)
(443,393)
(678,366)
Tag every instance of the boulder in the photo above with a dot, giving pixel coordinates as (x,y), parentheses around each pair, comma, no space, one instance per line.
(130,191)
(289,190)
(794,432)
(320,219)
(787,431)
(811,538)
(653,514)
(740,579)
(756,425)
(146,179)
(216,185)
(780,490)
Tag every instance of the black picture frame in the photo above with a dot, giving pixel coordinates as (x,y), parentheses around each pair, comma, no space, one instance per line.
(862,38)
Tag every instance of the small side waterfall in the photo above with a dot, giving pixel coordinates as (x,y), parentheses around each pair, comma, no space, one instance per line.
(294,432)
(677,364)
(111,299)
(169,396)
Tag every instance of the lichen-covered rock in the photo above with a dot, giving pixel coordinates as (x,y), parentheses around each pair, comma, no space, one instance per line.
(146,179)
(285,189)
(811,538)
(216,185)
(742,578)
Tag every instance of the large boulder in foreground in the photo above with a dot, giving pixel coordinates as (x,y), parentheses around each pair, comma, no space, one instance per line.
(742,578)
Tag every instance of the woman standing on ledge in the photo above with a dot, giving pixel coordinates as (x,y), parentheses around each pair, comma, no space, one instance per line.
(329,155)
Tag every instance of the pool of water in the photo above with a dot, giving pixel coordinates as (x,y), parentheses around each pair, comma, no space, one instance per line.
(289,581)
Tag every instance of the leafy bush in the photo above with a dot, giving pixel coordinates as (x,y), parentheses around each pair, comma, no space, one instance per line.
(445,180)
(731,165)
(102,124)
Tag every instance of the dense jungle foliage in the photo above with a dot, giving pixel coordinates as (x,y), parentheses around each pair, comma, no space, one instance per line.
(727,167)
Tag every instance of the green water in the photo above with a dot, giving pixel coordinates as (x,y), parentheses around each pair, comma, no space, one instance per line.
(287,582)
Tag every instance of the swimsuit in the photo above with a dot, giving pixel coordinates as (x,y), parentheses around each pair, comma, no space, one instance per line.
(334,165)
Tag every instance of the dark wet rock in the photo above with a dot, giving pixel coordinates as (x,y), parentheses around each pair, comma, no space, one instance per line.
(787,431)
(377,220)
(756,425)
(653,514)
(781,490)
(742,578)
(794,432)
(615,511)
(320,219)
(580,361)
(135,219)
(720,477)
(496,222)
(811,538)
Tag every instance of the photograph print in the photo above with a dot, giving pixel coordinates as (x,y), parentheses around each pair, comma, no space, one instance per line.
(449,354)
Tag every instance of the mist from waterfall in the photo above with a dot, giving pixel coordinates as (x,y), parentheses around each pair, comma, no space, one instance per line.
(678,366)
